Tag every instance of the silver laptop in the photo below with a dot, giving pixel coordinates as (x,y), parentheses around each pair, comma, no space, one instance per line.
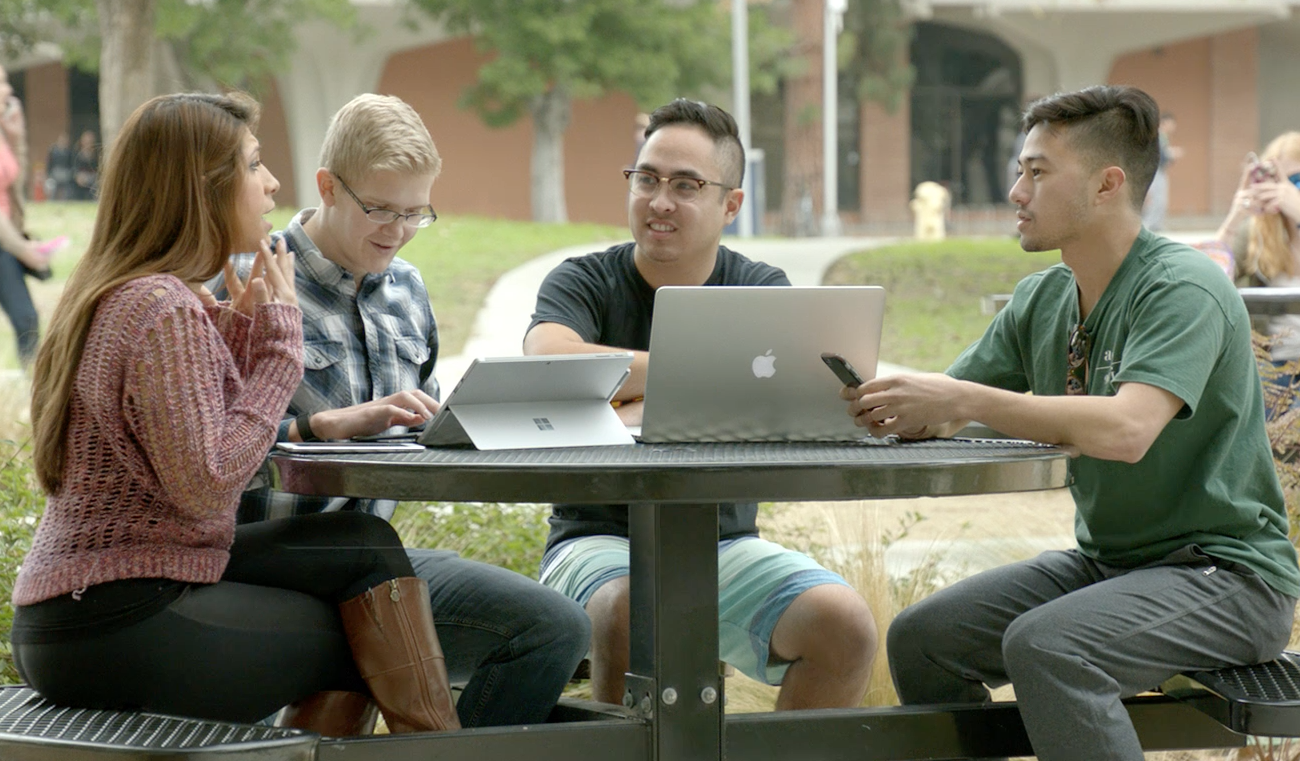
(559,400)
(744,363)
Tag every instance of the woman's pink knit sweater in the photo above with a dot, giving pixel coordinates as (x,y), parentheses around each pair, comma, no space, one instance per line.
(173,408)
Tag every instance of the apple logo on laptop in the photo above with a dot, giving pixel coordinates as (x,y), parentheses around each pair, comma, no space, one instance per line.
(764,365)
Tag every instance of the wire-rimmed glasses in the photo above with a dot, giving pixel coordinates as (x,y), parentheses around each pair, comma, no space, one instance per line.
(381,216)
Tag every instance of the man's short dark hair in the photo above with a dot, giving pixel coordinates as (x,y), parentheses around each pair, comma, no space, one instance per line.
(716,123)
(1110,126)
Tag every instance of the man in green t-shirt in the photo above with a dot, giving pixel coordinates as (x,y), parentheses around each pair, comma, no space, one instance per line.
(1137,353)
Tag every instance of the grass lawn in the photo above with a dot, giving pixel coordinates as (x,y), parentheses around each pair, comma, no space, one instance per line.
(932,306)
(460,258)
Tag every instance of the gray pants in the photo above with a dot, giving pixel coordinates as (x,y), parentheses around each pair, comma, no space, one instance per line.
(1075,636)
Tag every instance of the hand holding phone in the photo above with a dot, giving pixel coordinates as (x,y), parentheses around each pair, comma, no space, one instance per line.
(1262,171)
(847,374)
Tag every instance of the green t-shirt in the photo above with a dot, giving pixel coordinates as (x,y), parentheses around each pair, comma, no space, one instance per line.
(1170,319)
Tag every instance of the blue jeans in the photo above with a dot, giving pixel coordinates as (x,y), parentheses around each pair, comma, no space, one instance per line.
(16,301)
(513,642)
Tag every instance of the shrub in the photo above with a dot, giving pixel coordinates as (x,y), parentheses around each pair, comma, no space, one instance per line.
(511,536)
(1284,425)
(21,502)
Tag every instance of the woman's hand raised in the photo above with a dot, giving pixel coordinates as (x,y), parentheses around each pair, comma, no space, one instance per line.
(270,281)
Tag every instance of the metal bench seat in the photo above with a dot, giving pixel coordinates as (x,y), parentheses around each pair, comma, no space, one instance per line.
(34,729)
(1259,700)
(1253,700)
(1216,709)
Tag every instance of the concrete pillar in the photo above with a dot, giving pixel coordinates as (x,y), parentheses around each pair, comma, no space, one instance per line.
(1234,111)
(331,67)
(1279,70)
(1080,66)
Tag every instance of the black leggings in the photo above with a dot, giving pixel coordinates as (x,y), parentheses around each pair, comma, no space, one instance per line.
(267,634)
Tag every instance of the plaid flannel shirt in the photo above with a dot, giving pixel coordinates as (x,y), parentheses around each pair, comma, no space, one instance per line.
(360,343)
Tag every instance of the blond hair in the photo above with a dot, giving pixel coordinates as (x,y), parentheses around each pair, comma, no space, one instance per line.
(376,133)
(167,204)
(1271,235)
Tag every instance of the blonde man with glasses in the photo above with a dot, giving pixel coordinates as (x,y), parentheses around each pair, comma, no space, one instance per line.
(783,619)
(370,343)
(1138,355)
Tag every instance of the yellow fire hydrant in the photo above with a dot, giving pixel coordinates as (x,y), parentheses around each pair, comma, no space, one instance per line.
(929,206)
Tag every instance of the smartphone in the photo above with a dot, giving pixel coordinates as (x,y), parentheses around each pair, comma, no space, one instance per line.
(1262,171)
(842,369)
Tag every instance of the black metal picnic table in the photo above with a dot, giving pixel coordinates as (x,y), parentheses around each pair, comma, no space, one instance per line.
(675,690)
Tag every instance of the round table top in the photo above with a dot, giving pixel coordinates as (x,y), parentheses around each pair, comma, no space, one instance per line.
(683,473)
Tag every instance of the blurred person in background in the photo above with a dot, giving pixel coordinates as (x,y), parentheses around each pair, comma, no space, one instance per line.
(19,256)
(85,168)
(58,169)
(1259,243)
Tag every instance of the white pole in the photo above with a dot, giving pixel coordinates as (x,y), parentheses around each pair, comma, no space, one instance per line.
(740,98)
(831,15)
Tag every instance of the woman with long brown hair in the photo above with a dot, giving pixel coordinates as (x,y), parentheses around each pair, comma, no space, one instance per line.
(153,404)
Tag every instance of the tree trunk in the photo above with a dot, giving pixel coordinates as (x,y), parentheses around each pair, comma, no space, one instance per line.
(551,113)
(174,75)
(126,62)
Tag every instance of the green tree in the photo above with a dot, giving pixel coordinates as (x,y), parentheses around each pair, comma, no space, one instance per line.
(877,36)
(142,48)
(546,53)
(24,23)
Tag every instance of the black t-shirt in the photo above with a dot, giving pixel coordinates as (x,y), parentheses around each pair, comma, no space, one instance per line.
(603,298)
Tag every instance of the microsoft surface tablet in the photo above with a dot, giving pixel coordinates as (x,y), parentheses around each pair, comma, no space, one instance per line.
(558,400)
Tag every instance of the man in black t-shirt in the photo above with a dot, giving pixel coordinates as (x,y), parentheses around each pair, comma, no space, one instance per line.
(783,619)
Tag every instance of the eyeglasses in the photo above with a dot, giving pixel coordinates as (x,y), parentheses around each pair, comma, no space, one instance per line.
(1294,179)
(1076,367)
(379,216)
(645,184)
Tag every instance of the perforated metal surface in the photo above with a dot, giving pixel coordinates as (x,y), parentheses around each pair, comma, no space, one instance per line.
(706,455)
(683,473)
(24,715)
(1274,682)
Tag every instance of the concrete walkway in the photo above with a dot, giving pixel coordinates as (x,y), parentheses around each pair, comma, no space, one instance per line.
(499,328)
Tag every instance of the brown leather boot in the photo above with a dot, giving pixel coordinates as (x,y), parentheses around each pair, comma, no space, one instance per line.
(332,714)
(390,629)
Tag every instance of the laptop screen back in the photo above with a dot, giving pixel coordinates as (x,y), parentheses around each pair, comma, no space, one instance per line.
(744,363)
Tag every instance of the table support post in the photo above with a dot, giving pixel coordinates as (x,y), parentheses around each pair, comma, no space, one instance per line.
(674,629)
